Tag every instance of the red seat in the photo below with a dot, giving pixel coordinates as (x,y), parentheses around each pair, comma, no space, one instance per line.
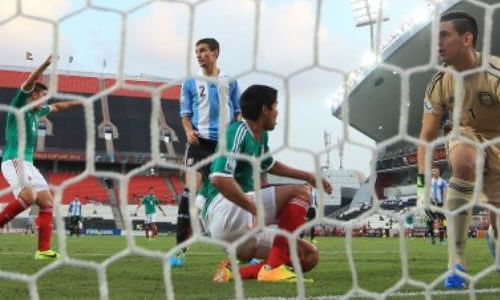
(90,187)
(176,181)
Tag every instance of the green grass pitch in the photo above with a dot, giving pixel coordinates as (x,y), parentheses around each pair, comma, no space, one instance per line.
(377,261)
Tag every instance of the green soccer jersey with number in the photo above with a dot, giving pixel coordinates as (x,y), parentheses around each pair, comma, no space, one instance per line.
(240,140)
(31,126)
(150,202)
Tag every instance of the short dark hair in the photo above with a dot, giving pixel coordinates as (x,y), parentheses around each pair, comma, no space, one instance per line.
(211,42)
(463,22)
(40,87)
(254,98)
(151,188)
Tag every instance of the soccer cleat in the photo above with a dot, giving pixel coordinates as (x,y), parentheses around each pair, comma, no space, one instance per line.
(177,261)
(453,281)
(279,274)
(47,254)
(490,236)
(223,272)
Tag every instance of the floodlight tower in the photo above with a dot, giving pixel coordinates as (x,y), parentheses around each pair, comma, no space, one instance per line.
(327,137)
(367,13)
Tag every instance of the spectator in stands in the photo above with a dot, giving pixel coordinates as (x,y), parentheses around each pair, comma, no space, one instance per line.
(75,216)
(150,202)
(27,182)
(200,113)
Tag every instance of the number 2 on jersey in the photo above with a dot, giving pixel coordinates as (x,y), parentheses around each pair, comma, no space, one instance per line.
(202,91)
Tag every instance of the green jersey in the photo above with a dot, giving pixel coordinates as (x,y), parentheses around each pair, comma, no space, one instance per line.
(150,202)
(240,140)
(31,123)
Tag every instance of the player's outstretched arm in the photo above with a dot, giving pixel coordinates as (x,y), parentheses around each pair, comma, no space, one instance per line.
(281,169)
(30,81)
(429,132)
(161,209)
(60,106)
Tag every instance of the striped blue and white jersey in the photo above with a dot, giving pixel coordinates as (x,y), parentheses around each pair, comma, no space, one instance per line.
(75,208)
(200,102)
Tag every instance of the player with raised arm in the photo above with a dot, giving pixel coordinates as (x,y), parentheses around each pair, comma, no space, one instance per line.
(27,182)
(200,113)
(230,206)
(479,122)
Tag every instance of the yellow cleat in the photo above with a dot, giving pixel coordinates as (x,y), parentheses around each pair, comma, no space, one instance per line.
(223,273)
(47,254)
(280,274)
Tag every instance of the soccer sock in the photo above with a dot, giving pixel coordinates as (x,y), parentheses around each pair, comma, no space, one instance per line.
(441,233)
(313,235)
(155,230)
(291,217)
(493,220)
(459,194)
(45,228)
(12,210)
(183,219)
(250,271)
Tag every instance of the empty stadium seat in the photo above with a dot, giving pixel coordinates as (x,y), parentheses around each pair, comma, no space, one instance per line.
(90,187)
(176,181)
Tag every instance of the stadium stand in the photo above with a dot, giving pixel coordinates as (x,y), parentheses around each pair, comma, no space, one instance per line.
(139,185)
(177,183)
(90,187)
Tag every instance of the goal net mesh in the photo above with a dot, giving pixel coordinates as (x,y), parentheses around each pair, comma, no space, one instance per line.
(349,78)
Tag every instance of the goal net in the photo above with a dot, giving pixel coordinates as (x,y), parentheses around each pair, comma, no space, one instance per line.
(296,69)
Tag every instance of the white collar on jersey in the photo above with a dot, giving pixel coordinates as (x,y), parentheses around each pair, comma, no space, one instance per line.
(221,74)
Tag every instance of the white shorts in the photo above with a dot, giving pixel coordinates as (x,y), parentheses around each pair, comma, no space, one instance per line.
(226,221)
(12,171)
(150,218)
(199,202)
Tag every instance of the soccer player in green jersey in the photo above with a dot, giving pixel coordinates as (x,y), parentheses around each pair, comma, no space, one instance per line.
(230,208)
(27,184)
(150,203)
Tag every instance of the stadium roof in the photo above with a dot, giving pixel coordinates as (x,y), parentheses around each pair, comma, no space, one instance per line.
(374,103)
(89,83)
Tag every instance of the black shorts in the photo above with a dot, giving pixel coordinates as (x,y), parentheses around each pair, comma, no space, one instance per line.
(74,220)
(198,152)
(311,213)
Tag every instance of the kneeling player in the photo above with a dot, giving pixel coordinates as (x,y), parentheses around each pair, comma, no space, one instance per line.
(230,206)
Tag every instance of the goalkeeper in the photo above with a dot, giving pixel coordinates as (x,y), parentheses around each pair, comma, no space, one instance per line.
(479,122)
